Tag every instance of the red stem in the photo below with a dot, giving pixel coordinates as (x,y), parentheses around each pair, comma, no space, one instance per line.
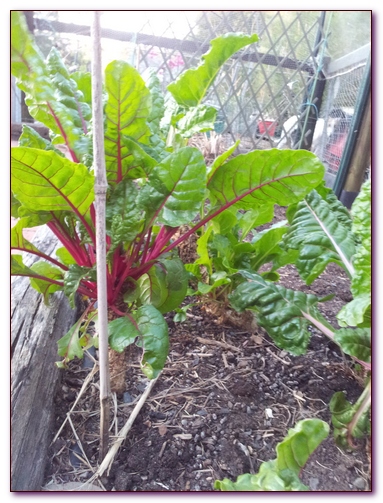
(42,255)
(147,243)
(63,133)
(76,252)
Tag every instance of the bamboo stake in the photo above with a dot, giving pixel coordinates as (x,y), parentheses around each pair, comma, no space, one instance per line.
(100,189)
(108,459)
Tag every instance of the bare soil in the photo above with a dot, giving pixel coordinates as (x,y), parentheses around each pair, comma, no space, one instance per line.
(225,398)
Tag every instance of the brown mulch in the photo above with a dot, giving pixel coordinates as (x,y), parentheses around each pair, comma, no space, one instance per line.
(225,398)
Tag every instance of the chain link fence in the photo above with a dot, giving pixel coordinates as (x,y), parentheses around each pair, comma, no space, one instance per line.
(268,95)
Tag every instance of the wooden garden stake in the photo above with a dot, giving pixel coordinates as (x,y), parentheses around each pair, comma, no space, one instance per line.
(100,189)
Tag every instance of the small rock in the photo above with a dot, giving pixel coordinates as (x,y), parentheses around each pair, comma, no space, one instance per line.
(127,397)
(360,483)
(202,412)
(313,483)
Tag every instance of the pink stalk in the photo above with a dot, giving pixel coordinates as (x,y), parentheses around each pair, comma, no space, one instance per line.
(42,255)
(63,133)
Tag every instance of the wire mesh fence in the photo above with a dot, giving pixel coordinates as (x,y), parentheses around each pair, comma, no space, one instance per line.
(266,95)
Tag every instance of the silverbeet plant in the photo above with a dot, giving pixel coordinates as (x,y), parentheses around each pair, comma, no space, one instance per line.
(282,473)
(321,231)
(156,183)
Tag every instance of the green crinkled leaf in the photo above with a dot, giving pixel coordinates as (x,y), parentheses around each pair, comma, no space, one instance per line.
(320,236)
(190,87)
(65,257)
(175,188)
(197,120)
(44,181)
(19,269)
(268,479)
(165,285)
(46,288)
(203,251)
(154,334)
(84,86)
(69,346)
(18,241)
(267,246)
(15,205)
(122,332)
(152,287)
(157,107)
(355,342)
(70,110)
(50,94)
(72,280)
(218,161)
(279,311)
(157,111)
(343,415)
(216,280)
(255,217)
(122,217)
(356,313)
(282,473)
(31,138)
(265,177)
(301,441)
(126,109)
(361,213)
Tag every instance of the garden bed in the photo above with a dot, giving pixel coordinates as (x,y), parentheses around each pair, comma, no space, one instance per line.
(225,398)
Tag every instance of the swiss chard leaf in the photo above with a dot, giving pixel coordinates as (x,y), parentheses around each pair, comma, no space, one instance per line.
(84,86)
(197,120)
(157,111)
(45,181)
(358,312)
(301,441)
(268,479)
(126,109)
(190,87)
(73,278)
(267,246)
(355,342)
(65,257)
(69,346)
(122,332)
(282,312)
(148,324)
(165,285)
(265,177)
(175,188)
(282,473)
(349,420)
(216,280)
(45,287)
(221,159)
(51,95)
(154,333)
(18,241)
(320,236)
(123,219)
(31,138)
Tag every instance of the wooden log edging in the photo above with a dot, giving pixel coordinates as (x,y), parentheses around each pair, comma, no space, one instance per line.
(36,329)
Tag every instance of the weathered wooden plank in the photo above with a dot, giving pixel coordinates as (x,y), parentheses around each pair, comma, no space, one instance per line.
(34,375)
